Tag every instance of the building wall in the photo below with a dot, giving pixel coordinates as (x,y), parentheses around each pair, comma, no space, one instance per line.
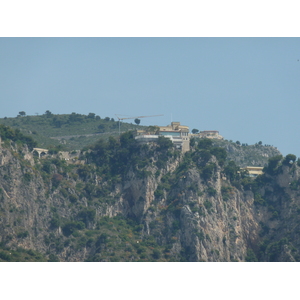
(254,171)
(178,134)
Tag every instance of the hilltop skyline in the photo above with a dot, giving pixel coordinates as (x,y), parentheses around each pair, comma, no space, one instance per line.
(246,88)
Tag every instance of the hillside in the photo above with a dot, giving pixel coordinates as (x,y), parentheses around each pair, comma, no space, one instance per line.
(75,131)
(247,155)
(127,202)
(70,131)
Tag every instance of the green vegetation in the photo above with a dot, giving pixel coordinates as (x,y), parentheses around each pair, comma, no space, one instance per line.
(289,159)
(231,170)
(120,239)
(194,131)
(211,191)
(72,198)
(226,192)
(70,131)
(251,257)
(20,255)
(273,164)
(114,158)
(7,134)
(246,155)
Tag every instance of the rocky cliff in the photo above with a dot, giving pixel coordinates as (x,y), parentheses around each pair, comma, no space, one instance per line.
(149,203)
(248,155)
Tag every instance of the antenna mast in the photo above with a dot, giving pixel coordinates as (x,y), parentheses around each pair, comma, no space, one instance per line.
(139,117)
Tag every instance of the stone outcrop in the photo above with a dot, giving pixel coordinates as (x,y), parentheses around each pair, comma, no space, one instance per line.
(197,219)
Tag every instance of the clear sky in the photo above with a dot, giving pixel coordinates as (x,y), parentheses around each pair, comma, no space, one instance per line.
(247,88)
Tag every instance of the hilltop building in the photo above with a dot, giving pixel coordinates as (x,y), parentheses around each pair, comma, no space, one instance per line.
(178,134)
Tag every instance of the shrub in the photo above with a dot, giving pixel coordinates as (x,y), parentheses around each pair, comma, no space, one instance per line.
(47,167)
(205,156)
(64,192)
(207,204)
(205,143)
(102,239)
(211,191)
(289,159)
(208,171)
(220,154)
(54,223)
(27,177)
(250,257)
(200,235)
(56,179)
(71,227)
(159,192)
(5,256)
(15,135)
(231,170)
(192,142)
(87,215)
(53,258)
(23,234)
(258,199)
(273,164)
(156,254)
(225,192)
(73,198)
(164,143)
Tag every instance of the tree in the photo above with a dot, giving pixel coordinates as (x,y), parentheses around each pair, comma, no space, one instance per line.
(22,113)
(71,226)
(192,142)
(205,156)
(74,117)
(86,215)
(57,122)
(231,170)
(156,254)
(250,257)
(238,142)
(273,163)
(48,113)
(137,121)
(205,143)
(194,131)
(101,128)
(260,143)
(91,115)
(220,154)
(152,129)
(208,171)
(164,143)
(289,159)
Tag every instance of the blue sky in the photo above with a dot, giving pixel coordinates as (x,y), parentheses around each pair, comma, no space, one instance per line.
(247,88)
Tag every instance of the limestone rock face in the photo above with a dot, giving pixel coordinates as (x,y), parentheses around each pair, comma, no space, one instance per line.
(198,219)
(248,155)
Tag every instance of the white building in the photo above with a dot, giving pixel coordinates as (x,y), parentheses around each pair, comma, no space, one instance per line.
(178,134)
